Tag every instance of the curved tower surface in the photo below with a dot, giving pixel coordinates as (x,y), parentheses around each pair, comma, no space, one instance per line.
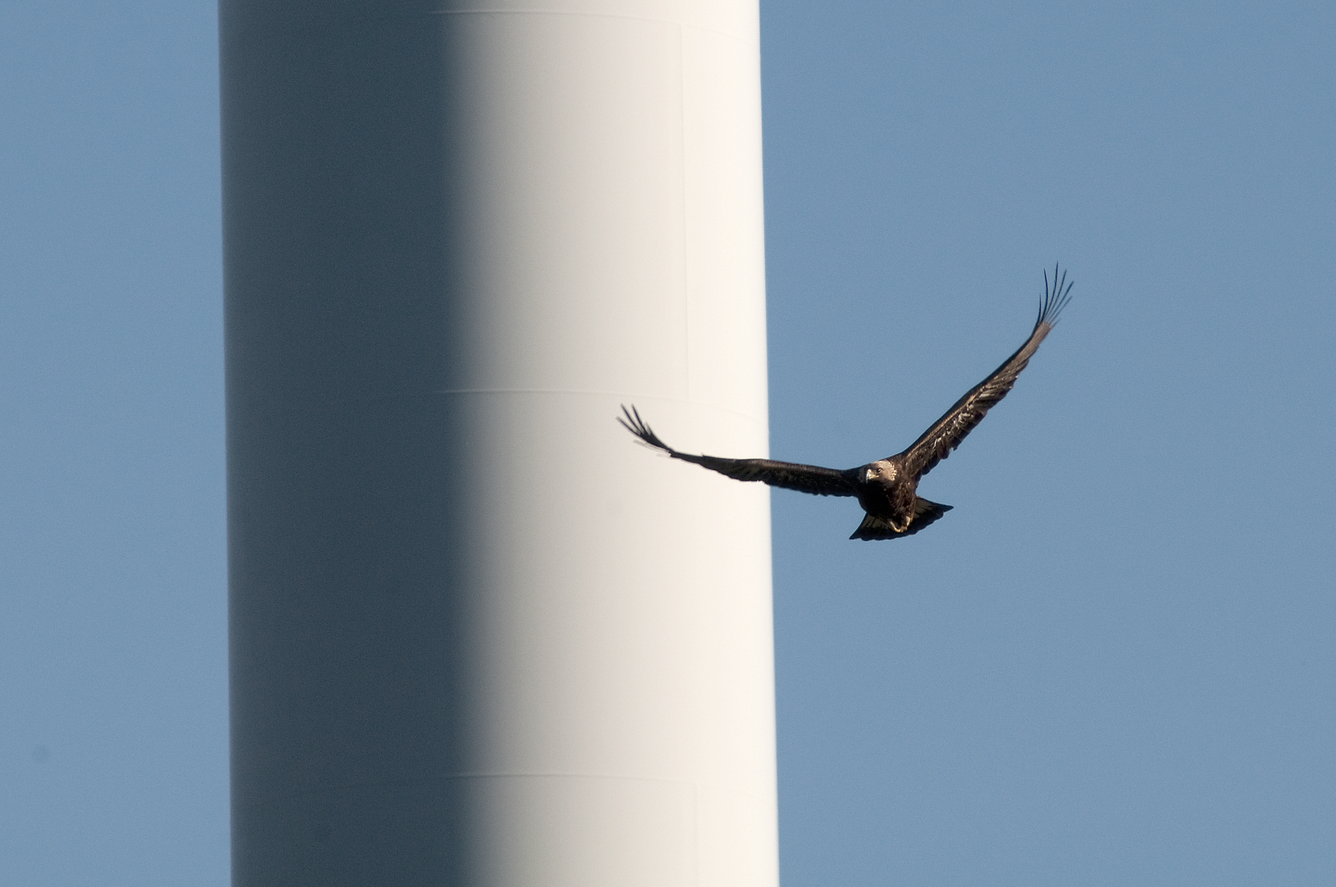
(477,636)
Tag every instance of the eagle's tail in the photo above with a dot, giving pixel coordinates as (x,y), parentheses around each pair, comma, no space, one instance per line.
(873,527)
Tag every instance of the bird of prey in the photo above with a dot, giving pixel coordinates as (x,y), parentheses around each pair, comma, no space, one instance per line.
(888,488)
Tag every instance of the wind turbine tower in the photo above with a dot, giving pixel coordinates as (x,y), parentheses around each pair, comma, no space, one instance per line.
(477,637)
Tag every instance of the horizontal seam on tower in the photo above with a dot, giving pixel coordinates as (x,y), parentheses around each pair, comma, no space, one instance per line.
(640,18)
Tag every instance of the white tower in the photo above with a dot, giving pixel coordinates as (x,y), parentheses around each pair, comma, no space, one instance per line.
(478,637)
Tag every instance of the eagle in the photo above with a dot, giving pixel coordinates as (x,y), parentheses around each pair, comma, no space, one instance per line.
(887,489)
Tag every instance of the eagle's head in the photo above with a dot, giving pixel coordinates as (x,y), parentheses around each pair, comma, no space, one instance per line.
(879,472)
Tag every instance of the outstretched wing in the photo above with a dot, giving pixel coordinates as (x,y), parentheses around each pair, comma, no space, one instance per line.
(803,478)
(947,432)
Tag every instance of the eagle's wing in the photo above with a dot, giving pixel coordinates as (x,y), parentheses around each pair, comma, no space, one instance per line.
(947,432)
(803,478)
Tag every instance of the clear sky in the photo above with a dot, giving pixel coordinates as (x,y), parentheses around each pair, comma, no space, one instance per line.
(1112,663)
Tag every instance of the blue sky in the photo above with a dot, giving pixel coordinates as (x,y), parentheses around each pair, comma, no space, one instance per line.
(1112,663)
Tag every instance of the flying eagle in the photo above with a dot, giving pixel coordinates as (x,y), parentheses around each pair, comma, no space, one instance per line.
(888,488)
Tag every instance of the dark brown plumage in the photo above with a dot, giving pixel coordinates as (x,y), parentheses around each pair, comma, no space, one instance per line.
(888,488)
